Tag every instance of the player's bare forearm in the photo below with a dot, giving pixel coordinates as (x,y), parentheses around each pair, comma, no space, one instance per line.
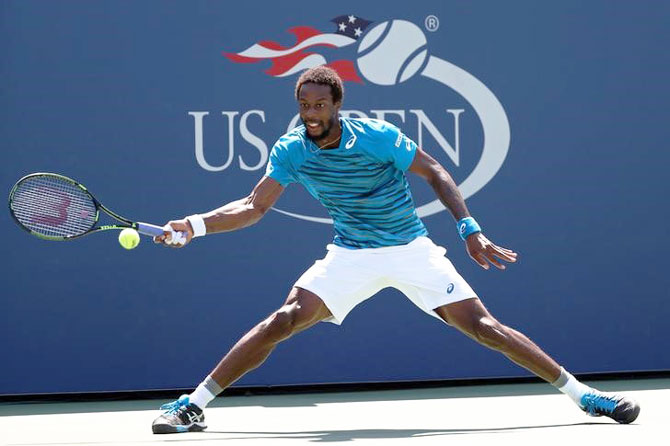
(439,179)
(234,215)
(447,191)
(246,211)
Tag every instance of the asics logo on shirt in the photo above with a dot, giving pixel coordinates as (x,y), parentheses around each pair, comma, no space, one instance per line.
(350,143)
(450,288)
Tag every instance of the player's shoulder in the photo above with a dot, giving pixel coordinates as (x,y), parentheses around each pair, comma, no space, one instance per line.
(290,139)
(373,134)
(370,125)
(295,136)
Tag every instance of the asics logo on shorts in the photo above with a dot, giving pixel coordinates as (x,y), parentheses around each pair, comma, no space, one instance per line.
(450,288)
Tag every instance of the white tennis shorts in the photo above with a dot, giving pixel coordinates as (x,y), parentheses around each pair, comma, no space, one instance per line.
(347,277)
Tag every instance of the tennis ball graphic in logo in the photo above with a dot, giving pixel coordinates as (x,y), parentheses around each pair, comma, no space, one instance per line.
(392,52)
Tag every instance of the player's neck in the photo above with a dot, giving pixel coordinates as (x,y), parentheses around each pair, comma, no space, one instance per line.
(332,140)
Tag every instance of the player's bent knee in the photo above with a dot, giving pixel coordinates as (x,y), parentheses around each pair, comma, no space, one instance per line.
(280,325)
(301,310)
(490,332)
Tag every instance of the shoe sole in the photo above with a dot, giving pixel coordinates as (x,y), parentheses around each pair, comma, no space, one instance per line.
(169,429)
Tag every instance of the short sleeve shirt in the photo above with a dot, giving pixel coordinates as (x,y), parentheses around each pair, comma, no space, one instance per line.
(361,182)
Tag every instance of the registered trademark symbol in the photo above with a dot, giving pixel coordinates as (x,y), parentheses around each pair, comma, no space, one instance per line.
(432,23)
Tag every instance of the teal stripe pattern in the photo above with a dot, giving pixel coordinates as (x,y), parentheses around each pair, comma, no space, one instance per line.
(361,183)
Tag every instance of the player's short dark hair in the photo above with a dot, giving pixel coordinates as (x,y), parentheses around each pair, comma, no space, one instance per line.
(324,76)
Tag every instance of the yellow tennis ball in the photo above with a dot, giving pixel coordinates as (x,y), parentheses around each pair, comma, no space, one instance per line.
(129,238)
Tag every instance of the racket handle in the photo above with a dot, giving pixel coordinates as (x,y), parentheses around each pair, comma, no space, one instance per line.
(178,237)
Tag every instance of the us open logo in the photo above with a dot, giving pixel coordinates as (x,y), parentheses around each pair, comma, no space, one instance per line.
(389,53)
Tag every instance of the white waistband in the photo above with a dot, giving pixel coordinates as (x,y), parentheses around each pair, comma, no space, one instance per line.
(384,250)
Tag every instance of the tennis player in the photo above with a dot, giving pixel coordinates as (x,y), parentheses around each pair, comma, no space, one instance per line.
(356,169)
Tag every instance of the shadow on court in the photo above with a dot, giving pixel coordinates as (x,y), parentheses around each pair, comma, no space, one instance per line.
(362,434)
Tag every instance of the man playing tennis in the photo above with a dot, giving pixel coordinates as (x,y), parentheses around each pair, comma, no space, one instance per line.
(356,169)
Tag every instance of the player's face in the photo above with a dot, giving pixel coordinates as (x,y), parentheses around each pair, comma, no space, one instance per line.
(317,110)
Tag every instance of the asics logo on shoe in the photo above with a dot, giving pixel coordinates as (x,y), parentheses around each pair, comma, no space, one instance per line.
(193,417)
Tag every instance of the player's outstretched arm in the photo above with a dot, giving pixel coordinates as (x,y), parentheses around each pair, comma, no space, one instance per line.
(480,249)
(234,215)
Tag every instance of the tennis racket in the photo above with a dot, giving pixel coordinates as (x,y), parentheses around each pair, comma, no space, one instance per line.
(55,207)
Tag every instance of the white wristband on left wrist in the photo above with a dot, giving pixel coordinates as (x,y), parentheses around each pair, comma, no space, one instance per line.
(198,225)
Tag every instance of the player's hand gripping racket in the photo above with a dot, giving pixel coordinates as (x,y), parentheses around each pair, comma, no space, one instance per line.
(55,207)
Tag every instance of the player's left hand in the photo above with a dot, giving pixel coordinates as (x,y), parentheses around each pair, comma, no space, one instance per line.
(483,251)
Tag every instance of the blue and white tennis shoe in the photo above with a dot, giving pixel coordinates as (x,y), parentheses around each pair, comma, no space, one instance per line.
(179,416)
(620,409)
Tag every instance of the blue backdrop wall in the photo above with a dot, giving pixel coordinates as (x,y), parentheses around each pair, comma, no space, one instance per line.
(551,115)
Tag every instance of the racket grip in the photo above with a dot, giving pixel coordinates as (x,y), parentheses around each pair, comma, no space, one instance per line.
(178,237)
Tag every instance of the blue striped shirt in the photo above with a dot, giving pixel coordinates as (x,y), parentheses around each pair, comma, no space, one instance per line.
(361,183)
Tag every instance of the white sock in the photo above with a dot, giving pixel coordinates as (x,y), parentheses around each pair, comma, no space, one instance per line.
(569,385)
(205,393)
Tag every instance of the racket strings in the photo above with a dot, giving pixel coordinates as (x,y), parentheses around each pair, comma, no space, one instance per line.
(53,207)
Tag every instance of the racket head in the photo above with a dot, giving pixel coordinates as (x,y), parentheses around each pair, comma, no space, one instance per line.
(52,206)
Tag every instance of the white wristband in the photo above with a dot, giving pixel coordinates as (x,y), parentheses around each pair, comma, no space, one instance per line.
(198,225)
